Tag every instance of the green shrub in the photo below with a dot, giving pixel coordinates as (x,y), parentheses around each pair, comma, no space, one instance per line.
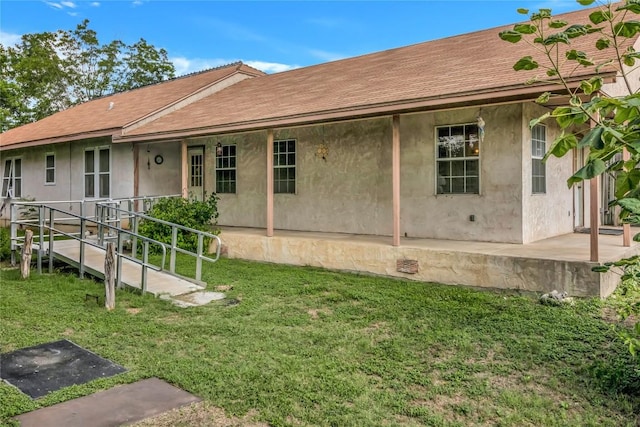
(197,214)
(5,244)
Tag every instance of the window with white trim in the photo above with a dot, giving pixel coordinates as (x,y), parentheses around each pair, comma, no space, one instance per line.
(284,166)
(538,168)
(50,169)
(458,159)
(97,172)
(226,169)
(12,178)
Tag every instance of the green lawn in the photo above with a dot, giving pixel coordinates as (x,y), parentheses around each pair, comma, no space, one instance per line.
(310,347)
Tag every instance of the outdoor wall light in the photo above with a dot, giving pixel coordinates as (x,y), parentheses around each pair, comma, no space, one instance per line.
(218,149)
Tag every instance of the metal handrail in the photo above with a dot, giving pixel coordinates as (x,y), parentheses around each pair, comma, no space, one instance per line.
(133,218)
(53,232)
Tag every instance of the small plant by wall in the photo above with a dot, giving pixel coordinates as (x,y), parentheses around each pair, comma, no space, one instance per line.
(197,214)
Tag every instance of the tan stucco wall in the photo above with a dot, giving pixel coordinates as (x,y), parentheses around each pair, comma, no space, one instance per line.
(163,179)
(69,176)
(350,191)
(549,214)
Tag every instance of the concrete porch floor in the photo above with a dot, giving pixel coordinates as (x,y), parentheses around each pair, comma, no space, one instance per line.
(560,262)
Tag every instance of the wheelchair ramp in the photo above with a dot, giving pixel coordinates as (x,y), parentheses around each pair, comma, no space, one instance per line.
(158,282)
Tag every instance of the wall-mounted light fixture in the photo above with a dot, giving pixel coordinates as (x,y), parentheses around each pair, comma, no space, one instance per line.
(218,149)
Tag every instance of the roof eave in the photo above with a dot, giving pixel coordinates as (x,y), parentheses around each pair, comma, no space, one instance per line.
(489,96)
(113,132)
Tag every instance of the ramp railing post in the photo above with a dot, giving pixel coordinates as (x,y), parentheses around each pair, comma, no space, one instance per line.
(83,226)
(199,257)
(174,243)
(41,222)
(134,237)
(14,233)
(119,263)
(145,261)
(51,236)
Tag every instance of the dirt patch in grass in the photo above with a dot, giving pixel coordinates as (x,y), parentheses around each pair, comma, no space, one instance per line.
(199,414)
(316,312)
(609,314)
(134,311)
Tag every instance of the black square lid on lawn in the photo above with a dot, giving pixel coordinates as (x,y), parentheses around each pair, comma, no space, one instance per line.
(44,368)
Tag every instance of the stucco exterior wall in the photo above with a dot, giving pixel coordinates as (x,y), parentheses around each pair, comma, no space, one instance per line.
(162,179)
(69,170)
(496,210)
(551,213)
(350,191)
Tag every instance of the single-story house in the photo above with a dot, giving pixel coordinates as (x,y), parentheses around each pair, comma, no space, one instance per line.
(416,162)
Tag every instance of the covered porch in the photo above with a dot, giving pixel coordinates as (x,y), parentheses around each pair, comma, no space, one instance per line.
(561,263)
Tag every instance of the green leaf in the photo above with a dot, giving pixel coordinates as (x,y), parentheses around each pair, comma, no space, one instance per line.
(556,38)
(525,63)
(593,139)
(593,168)
(541,14)
(626,181)
(542,118)
(510,36)
(561,146)
(523,11)
(577,30)
(627,29)
(633,6)
(557,23)
(602,44)
(525,28)
(579,56)
(575,101)
(630,204)
(599,16)
(600,269)
(551,72)
(585,2)
(594,84)
(544,98)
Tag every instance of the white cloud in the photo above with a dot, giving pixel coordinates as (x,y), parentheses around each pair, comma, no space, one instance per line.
(54,5)
(326,56)
(137,2)
(191,65)
(72,13)
(270,67)
(8,39)
(95,4)
(69,4)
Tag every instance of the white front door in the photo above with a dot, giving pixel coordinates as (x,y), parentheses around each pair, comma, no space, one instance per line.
(196,173)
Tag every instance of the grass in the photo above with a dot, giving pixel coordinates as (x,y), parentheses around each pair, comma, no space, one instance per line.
(311,347)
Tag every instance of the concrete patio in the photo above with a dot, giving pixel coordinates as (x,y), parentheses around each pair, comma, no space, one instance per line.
(560,262)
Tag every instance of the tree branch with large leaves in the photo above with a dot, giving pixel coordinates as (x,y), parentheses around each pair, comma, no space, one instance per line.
(607,123)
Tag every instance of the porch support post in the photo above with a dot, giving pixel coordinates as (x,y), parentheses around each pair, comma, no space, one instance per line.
(626,228)
(395,168)
(594,217)
(136,174)
(185,170)
(270,183)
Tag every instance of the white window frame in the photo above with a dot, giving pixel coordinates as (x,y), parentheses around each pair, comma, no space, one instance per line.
(47,169)
(9,180)
(96,173)
(227,186)
(470,143)
(538,150)
(277,167)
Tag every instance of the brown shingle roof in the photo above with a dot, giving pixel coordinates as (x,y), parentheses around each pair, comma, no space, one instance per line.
(108,115)
(435,73)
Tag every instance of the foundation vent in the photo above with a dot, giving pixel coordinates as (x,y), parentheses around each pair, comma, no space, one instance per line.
(409,266)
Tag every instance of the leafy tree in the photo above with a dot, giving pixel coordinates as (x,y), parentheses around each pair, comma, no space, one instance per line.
(607,124)
(51,71)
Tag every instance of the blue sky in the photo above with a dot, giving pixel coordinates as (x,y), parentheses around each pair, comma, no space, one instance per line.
(269,35)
